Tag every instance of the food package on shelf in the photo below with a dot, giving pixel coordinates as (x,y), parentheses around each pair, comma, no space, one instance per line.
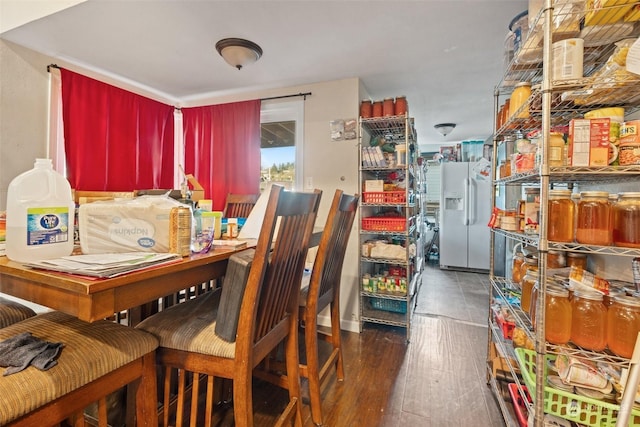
(580,278)
(385,250)
(140,224)
(582,373)
(612,83)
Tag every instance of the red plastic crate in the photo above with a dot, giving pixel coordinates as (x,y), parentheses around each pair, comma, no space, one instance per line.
(518,404)
(505,326)
(384,197)
(384,224)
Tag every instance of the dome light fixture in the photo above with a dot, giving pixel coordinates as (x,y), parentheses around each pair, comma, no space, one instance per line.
(445,128)
(238,52)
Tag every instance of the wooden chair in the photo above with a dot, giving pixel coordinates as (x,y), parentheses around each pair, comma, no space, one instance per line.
(268,315)
(323,291)
(239,205)
(97,359)
(12,312)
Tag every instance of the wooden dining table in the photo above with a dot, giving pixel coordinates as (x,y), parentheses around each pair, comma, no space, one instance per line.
(95,299)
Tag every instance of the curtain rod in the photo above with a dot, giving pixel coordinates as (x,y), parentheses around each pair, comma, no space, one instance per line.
(287,96)
(304,95)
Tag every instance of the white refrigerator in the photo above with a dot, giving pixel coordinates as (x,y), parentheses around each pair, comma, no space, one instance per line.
(465,208)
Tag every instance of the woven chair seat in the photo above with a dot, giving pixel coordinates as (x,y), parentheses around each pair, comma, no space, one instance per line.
(191,326)
(91,350)
(12,312)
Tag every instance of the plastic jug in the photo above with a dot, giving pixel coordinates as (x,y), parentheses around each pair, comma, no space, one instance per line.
(40,215)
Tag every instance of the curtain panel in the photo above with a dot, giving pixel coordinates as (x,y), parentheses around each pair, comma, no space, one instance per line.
(222,148)
(115,140)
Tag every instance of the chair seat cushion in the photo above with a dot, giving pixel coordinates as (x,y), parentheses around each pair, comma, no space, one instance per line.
(191,326)
(12,312)
(91,350)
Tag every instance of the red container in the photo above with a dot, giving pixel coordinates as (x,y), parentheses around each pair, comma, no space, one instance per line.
(384,197)
(388,107)
(384,224)
(401,105)
(366,109)
(377,109)
(518,403)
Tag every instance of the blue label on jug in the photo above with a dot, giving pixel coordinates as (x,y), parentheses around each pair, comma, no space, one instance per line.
(47,225)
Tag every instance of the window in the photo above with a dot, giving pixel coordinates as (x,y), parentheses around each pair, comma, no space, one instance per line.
(281,134)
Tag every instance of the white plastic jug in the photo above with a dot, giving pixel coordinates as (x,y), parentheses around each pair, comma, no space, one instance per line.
(40,215)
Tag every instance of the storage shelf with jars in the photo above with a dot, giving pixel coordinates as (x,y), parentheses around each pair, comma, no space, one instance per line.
(565,124)
(390,265)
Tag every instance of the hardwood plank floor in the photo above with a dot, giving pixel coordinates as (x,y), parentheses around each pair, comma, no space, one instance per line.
(436,380)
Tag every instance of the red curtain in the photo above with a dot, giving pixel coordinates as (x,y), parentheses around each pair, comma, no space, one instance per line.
(115,140)
(222,148)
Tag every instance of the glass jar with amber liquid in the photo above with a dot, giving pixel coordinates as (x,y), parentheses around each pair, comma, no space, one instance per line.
(518,260)
(578,260)
(530,262)
(518,101)
(626,220)
(623,325)
(556,259)
(588,320)
(561,221)
(593,223)
(528,282)
(558,317)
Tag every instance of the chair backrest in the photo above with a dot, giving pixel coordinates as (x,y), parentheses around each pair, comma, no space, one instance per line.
(270,301)
(239,205)
(327,268)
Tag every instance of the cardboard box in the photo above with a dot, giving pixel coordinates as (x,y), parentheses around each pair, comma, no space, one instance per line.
(579,142)
(599,142)
(197,191)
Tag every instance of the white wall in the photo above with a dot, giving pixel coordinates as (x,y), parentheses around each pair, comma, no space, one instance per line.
(23,112)
(330,164)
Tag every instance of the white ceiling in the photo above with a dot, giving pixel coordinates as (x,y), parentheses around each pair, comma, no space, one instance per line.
(445,56)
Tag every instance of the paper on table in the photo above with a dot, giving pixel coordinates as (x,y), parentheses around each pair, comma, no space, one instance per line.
(104,265)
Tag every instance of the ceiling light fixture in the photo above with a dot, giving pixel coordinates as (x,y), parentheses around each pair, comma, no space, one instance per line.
(238,52)
(445,128)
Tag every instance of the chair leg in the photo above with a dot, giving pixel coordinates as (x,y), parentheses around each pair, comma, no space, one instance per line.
(293,370)
(336,339)
(313,370)
(243,399)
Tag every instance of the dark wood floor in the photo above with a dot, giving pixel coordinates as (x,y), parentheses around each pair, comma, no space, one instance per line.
(436,380)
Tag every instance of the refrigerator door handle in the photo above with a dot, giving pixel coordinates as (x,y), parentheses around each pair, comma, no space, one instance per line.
(466,202)
(471,214)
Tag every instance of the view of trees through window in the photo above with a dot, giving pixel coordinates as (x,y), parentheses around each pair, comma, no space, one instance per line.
(278,153)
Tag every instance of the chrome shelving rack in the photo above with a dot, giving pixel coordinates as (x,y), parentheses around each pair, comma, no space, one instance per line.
(389,308)
(554,103)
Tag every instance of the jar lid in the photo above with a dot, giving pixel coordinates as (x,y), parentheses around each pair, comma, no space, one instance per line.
(590,295)
(366,100)
(555,252)
(594,194)
(388,99)
(522,84)
(631,194)
(560,192)
(576,255)
(557,291)
(622,298)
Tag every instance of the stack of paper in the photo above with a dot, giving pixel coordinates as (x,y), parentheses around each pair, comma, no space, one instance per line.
(104,265)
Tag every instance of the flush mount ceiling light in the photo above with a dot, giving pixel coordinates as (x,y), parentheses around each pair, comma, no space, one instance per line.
(445,128)
(238,52)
